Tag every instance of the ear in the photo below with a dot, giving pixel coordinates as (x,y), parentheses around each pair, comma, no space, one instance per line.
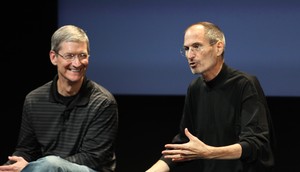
(220,48)
(53,57)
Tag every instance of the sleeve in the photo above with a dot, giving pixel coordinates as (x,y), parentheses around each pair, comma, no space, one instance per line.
(256,137)
(27,145)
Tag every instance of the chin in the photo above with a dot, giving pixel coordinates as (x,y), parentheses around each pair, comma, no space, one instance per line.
(76,78)
(195,71)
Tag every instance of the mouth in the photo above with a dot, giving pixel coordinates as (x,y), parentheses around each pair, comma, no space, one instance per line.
(192,64)
(74,70)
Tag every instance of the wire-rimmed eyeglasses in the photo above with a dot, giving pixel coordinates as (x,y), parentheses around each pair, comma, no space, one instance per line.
(71,57)
(194,48)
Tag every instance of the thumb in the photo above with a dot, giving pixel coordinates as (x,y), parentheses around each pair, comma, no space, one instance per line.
(13,158)
(188,134)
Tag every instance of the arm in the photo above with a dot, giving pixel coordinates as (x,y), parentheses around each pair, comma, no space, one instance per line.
(196,149)
(255,135)
(27,146)
(159,166)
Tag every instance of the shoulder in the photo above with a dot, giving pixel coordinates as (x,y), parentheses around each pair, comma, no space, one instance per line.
(241,76)
(246,81)
(100,92)
(41,90)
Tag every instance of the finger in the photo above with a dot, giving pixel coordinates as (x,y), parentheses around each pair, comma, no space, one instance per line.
(171,152)
(13,158)
(174,146)
(188,134)
(175,156)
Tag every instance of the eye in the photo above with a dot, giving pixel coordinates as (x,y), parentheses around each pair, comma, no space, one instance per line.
(186,48)
(69,56)
(82,56)
(197,46)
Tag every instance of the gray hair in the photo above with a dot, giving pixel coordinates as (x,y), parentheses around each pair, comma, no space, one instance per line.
(68,33)
(212,32)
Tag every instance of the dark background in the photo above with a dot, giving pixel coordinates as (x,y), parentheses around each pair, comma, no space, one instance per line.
(147,122)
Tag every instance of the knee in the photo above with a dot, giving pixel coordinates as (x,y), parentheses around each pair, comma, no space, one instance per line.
(52,160)
(48,163)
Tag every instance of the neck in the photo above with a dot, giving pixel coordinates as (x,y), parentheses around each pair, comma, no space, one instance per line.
(213,72)
(67,88)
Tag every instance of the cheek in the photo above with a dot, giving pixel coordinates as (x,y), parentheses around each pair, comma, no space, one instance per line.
(85,63)
(209,57)
(62,65)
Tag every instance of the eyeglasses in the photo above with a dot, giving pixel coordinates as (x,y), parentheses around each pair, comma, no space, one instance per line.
(71,57)
(194,48)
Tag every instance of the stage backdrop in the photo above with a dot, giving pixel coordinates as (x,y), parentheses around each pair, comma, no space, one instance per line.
(135,43)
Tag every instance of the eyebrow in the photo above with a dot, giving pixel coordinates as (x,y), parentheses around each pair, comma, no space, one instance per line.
(194,44)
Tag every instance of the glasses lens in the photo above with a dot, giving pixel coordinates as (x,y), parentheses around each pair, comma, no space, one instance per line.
(82,56)
(71,57)
(182,51)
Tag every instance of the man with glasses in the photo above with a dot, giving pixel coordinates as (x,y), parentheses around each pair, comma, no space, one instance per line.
(226,125)
(70,123)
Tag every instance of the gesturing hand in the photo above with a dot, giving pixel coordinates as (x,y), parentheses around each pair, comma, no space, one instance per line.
(194,149)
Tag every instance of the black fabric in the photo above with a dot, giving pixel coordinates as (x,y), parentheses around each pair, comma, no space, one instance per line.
(82,132)
(229,109)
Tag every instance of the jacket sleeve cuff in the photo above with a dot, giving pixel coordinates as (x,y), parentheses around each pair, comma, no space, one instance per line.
(246,150)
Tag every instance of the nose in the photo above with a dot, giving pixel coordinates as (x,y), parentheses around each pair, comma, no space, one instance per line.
(190,53)
(76,61)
